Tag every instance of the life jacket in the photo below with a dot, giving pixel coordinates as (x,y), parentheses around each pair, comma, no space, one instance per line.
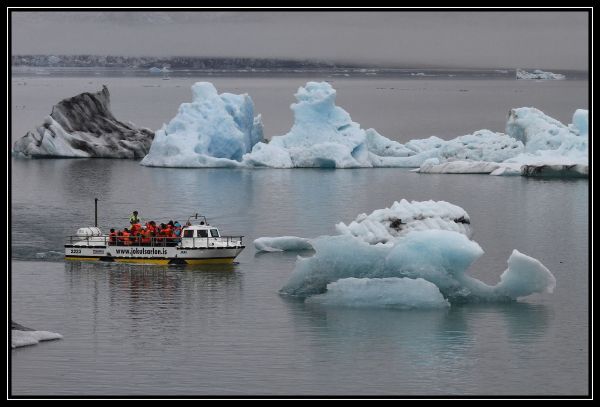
(112,238)
(169,234)
(126,238)
(135,228)
(146,236)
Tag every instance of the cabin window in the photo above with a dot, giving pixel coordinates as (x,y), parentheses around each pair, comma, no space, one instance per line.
(214,233)
(188,233)
(203,233)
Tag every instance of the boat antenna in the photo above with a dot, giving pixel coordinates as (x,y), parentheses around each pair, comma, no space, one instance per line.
(96,212)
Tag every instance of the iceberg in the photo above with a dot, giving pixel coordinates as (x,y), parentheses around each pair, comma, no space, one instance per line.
(385,225)
(433,166)
(539,74)
(221,131)
(154,69)
(23,336)
(282,243)
(323,135)
(83,126)
(431,242)
(214,130)
(538,146)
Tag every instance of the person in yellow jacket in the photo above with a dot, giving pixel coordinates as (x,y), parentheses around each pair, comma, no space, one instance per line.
(134,218)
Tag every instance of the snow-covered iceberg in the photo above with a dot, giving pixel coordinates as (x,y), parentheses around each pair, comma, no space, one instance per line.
(410,240)
(214,130)
(540,146)
(538,74)
(282,243)
(23,336)
(83,126)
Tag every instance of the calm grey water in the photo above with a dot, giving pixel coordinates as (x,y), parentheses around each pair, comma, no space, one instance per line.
(225,330)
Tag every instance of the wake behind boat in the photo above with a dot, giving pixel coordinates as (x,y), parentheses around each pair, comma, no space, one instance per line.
(198,243)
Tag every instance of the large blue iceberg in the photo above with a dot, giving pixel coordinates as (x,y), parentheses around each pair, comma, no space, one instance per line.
(212,131)
(323,135)
(426,241)
(221,131)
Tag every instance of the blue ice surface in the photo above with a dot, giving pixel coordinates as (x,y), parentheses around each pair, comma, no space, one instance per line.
(428,244)
(221,131)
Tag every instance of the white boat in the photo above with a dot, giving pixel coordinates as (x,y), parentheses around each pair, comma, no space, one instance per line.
(199,243)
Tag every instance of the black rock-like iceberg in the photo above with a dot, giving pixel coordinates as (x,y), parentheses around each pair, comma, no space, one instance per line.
(84,126)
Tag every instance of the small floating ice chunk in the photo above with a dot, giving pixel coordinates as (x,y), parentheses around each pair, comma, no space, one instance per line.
(22,336)
(282,243)
(525,275)
(539,74)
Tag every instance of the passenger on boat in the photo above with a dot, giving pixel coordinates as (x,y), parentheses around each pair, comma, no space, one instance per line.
(177,229)
(169,235)
(146,237)
(136,228)
(112,238)
(134,218)
(126,237)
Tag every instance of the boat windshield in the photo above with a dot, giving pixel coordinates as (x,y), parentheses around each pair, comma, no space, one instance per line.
(214,233)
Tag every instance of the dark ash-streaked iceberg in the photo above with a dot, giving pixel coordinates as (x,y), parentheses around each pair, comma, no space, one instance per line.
(84,126)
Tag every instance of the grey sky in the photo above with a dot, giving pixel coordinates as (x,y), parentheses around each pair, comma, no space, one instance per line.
(547,40)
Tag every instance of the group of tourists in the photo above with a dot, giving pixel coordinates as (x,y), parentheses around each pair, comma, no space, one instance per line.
(150,234)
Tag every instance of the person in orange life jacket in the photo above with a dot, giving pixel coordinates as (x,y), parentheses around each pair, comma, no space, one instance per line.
(135,228)
(168,232)
(146,236)
(126,237)
(160,237)
(112,237)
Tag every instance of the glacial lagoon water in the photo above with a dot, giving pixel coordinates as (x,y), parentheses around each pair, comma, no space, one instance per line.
(225,330)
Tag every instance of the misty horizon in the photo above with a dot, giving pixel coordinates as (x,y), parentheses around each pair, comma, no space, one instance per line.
(402,39)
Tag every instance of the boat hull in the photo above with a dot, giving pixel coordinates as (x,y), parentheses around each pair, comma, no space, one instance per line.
(153,255)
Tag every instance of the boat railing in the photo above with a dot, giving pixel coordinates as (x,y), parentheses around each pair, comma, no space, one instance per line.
(155,241)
